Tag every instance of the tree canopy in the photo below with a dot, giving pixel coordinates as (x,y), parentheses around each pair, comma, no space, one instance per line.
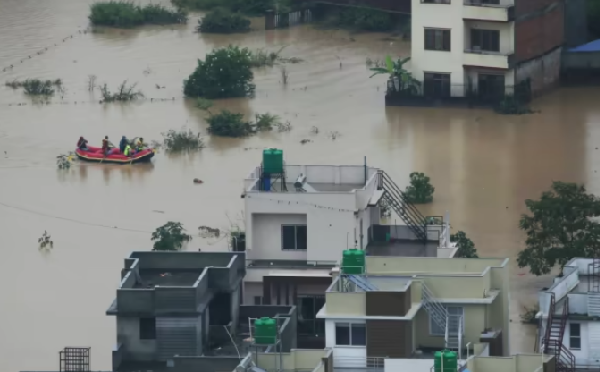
(466,247)
(559,228)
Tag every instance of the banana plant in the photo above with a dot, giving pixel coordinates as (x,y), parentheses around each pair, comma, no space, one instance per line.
(396,70)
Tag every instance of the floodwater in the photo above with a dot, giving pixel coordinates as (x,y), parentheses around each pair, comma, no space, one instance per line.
(482,165)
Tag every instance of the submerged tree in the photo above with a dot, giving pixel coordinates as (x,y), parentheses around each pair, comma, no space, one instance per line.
(559,228)
(170,237)
(466,247)
(420,190)
(224,74)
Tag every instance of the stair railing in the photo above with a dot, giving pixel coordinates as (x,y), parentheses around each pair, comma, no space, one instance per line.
(551,310)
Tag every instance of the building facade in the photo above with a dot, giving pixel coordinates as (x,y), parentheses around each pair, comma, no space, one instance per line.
(569,324)
(486,47)
(405,307)
(296,232)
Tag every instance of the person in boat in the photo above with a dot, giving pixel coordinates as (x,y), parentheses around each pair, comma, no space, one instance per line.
(105,145)
(82,144)
(124,142)
(140,144)
(127,150)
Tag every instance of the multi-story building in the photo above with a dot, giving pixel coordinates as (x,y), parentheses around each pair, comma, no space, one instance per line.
(180,309)
(300,218)
(569,324)
(485,47)
(404,307)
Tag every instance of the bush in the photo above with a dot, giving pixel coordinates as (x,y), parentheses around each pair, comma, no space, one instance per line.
(124,93)
(225,73)
(36,87)
(170,237)
(510,105)
(126,14)
(251,7)
(182,140)
(228,124)
(420,190)
(222,21)
(466,247)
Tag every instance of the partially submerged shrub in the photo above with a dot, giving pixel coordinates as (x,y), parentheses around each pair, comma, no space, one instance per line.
(127,14)
(361,18)
(124,93)
(266,122)
(260,57)
(222,21)
(228,124)
(225,73)
(170,237)
(182,140)
(36,87)
(420,189)
(510,105)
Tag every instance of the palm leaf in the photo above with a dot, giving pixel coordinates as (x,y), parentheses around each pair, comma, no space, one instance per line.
(389,64)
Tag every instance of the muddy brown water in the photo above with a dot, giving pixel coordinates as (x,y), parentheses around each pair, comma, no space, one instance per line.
(482,165)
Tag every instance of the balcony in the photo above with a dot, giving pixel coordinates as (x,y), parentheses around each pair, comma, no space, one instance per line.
(482,10)
(481,58)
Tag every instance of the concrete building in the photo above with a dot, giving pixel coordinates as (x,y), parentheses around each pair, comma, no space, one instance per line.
(182,309)
(296,232)
(405,307)
(485,47)
(569,324)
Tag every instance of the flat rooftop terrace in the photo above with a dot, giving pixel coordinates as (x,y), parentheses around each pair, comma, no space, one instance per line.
(150,278)
(403,248)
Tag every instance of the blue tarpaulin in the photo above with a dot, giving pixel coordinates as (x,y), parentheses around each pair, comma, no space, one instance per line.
(592,46)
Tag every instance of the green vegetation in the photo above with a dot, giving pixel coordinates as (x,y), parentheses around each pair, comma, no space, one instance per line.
(529,313)
(250,7)
(222,21)
(466,247)
(401,79)
(124,93)
(183,140)
(225,73)
(170,237)
(420,190)
(229,124)
(45,241)
(125,14)
(510,105)
(559,228)
(36,87)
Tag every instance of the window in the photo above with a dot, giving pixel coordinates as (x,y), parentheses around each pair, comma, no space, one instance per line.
(437,39)
(147,328)
(307,309)
(486,40)
(349,334)
(575,336)
(257,300)
(436,85)
(435,1)
(454,313)
(294,237)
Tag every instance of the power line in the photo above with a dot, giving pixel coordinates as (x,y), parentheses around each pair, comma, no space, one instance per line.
(71,219)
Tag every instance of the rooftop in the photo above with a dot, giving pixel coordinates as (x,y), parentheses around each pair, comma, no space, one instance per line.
(314,179)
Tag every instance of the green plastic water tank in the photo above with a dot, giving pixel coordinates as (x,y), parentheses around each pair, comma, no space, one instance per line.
(353,262)
(446,359)
(272,161)
(450,361)
(265,332)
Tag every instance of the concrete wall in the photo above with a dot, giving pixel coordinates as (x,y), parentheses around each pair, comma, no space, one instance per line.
(543,71)
(580,61)
(329,217)
(134,349)
(267,240)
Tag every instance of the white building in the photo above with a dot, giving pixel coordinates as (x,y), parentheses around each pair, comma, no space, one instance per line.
(297,230)
(570,314)
(459,45)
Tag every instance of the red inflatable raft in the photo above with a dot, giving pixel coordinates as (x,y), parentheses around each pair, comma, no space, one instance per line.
(94,154)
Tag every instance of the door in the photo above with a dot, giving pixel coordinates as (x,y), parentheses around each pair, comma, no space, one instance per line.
(490,88)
